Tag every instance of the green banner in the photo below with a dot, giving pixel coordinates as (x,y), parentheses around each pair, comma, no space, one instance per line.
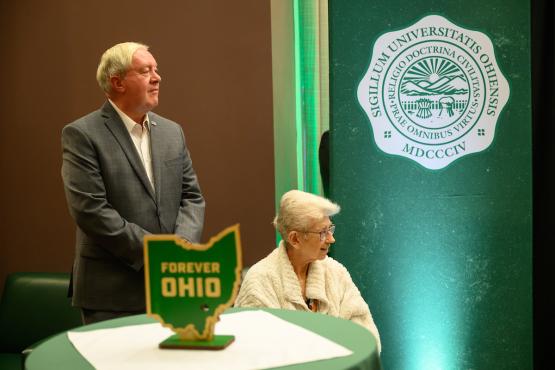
(430,155)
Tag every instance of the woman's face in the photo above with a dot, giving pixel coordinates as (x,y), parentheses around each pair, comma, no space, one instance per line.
(312,246)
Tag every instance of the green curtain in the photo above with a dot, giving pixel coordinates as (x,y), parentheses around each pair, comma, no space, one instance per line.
(300,79)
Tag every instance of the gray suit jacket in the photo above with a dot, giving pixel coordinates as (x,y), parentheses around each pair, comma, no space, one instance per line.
(114,206)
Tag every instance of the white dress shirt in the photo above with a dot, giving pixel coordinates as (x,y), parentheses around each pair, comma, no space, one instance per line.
(140,134)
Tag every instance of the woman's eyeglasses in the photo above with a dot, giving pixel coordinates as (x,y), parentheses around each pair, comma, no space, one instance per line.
(324,233)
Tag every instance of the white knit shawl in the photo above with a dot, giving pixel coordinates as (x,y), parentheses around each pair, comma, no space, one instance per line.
(272,283)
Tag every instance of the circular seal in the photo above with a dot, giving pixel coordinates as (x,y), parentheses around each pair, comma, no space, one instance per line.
(433,92)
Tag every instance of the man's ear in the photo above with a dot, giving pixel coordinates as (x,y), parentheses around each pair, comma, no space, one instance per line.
(293,239)
(117,84)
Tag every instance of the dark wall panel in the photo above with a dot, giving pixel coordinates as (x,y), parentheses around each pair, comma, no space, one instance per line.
(215,61)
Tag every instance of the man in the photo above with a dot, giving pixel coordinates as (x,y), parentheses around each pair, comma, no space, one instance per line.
(127,173)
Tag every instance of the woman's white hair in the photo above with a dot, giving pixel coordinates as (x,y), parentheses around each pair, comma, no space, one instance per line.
(298,210)
(116,61)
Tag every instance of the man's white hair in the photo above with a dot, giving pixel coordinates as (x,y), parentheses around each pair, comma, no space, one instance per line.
(116,61)
(298,210)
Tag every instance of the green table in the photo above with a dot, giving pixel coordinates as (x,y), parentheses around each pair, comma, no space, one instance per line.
(58,353)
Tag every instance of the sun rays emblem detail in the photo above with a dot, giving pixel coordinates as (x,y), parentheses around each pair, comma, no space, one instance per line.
(433,92)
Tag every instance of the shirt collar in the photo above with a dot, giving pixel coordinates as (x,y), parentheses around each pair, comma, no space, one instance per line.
(127,121)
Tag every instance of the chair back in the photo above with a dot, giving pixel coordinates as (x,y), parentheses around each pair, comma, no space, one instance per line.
(35,306)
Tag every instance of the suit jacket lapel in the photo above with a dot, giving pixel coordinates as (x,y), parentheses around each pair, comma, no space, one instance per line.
(156,147)
(118,129)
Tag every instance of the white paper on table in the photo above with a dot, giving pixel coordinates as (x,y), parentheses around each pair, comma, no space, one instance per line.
(262,340)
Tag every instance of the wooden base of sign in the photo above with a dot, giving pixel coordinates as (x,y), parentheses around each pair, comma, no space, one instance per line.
(219,342)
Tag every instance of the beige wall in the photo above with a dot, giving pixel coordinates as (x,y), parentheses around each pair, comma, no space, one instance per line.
(215,60)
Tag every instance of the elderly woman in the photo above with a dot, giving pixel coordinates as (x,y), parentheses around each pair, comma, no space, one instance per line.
(298,275)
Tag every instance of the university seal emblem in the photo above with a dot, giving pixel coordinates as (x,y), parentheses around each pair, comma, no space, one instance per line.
(433,92)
